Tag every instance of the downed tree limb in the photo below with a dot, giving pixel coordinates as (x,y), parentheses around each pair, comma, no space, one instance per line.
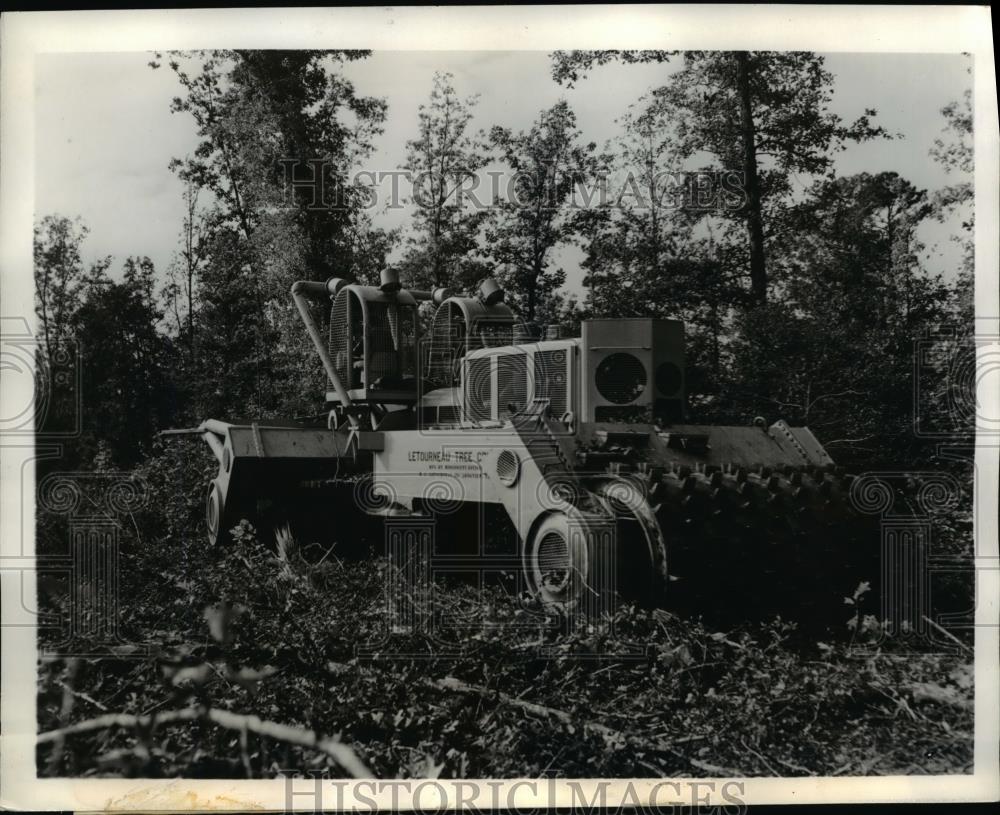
(458,686)
(81,695)
(68,700)
(949,635)
(930,692)
(610,735)
(342,753)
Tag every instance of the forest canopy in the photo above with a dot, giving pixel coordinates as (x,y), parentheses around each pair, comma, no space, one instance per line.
(802,300)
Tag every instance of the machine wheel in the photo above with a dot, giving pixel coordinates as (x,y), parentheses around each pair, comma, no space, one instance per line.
(556,562)
(567,560)
(219,516)
(640,546)
(223,512)
(213,513)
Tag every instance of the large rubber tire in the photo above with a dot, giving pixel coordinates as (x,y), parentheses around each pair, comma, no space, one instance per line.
(558,561)
(640,545)
(222,515)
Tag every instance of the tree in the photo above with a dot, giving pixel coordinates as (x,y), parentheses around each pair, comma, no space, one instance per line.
(954,152)
(125,363)
(442,162)
(643,257)
(856,248)
(281,132)
(568,67)
(183,273)
(59,274)
(61,277)
(836,352)
(763,114)
(547,164)
(266,116)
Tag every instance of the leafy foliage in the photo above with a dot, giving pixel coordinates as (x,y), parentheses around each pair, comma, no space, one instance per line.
(548,166)
(956,156)
(269,121)
(441,161)
(59,276)
(126,388)
(763,114)
(504,689)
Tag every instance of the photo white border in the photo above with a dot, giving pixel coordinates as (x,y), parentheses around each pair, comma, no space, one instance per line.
(922,29)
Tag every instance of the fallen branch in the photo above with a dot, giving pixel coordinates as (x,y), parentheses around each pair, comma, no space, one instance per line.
(610,735)
(760,758)
(457,685)
(797,767)
(81,695)
(342,753)
(68,700)
(848,441)
(727,772)
(948,634)
(899,701)
(930,692)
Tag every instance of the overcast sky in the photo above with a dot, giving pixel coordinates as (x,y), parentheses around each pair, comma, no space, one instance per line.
(104,132)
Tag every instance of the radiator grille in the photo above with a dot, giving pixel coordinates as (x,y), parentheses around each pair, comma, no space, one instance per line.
(340,337)
(448,414)
(512,383)
(447,342)
(391,341)
(478,390)
(492,333)
(550,380)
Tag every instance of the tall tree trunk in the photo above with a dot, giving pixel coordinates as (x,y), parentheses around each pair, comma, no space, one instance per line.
(755,223)
(190,314)
(191,199)
(531,305)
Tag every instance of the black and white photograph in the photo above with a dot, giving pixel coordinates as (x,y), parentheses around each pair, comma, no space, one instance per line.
(393,401)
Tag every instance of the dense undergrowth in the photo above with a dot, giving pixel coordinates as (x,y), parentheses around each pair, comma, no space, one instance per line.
(503,687)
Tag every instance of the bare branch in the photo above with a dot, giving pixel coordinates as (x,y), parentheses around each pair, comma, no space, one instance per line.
(848,392)
(850,441)
(342,753)
(610,735)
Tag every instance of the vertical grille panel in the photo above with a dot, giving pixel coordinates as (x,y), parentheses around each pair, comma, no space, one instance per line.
(447,341)
(447,414)
(512,383)
(479,390)
(551,381)
(340,337)
(492,333)
(391,340)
